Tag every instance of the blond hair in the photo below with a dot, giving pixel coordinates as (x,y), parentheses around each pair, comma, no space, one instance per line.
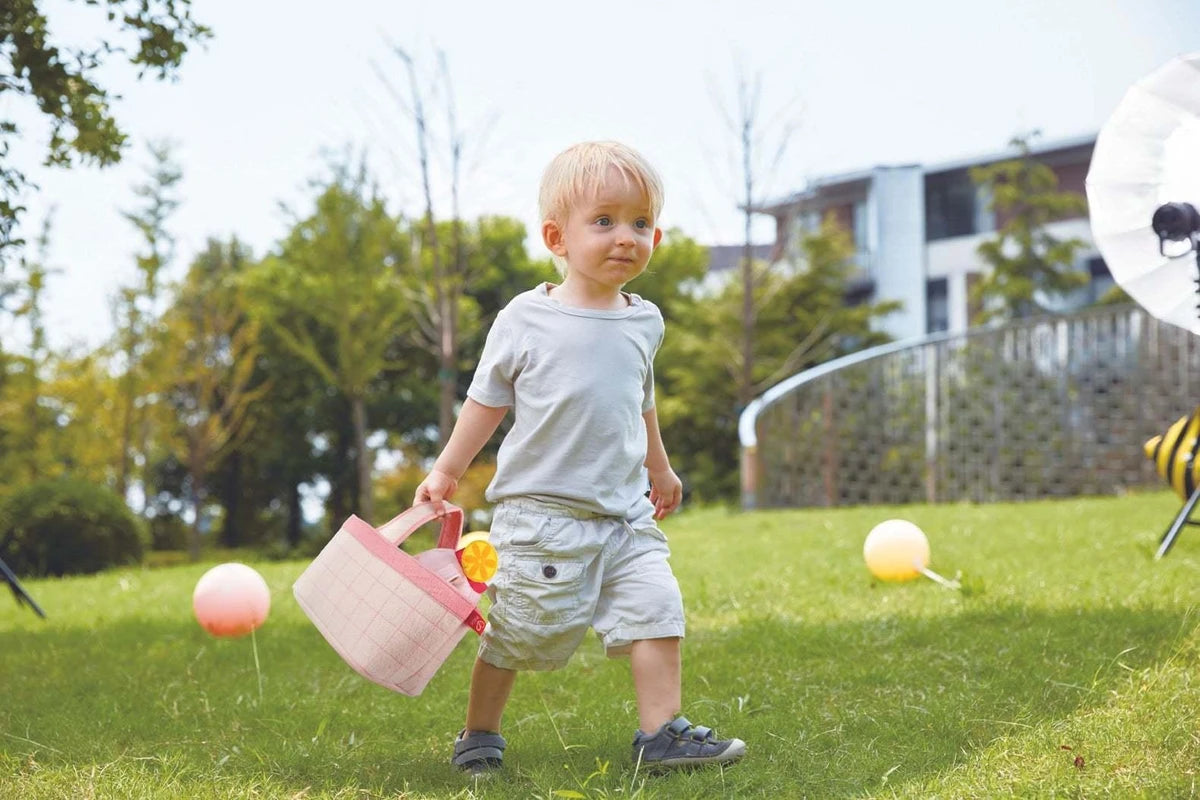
(580,169)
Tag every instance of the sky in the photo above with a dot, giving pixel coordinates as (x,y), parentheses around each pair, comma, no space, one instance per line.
(255,114)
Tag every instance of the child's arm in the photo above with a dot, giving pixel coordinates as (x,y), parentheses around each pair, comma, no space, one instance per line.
(476,424)
(666,490)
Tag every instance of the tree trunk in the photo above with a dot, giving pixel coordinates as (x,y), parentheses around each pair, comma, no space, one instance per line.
(746,389)
(231,499)
(295,517)
(195,493)
(447,372)
(362,459)
(126,442)
(447,384)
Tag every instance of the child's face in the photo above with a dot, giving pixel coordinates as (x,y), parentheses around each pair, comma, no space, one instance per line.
(609,236)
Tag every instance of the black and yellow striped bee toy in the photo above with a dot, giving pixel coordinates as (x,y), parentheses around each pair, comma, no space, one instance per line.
(1174,454)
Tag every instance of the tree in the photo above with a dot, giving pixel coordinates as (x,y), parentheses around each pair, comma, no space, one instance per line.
(152,35)
(499,267)
(802,320)
(137,304)
(203,368)
(333,296)
(1024,259)
(674,275)
(26,421)
(80,396)
(447,278)
(761,146)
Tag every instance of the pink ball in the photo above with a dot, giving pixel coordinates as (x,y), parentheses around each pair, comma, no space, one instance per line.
(231,600)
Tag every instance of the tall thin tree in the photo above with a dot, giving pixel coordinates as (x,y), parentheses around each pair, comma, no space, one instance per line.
(761,145)
(137,302)
(437,301)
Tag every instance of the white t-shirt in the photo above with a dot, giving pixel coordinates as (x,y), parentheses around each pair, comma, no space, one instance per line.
(578,381)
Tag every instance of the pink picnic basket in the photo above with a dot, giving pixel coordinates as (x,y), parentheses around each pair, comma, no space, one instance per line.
(391,616)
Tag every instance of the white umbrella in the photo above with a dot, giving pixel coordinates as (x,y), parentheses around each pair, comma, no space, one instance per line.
(1148,155)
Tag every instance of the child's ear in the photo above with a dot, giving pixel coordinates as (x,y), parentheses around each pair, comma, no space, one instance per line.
(552,235)
(657,237)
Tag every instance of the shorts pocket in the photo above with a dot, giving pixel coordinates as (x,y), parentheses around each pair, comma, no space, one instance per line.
(519,529)
(550,588)
(653,531)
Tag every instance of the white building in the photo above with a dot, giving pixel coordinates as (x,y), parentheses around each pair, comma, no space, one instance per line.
(916,229)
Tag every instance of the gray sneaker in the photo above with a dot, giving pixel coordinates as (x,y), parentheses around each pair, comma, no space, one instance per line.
(679,743)
(478,753)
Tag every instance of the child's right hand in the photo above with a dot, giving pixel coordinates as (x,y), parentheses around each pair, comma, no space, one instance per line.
(436,487)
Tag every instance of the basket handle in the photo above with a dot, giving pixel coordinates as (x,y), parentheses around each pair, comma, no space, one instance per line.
(406,523)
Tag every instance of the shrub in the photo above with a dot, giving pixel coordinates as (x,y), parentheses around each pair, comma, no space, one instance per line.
(66,526)
(168,532)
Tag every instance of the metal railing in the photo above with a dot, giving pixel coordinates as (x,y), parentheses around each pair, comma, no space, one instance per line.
(1047,407)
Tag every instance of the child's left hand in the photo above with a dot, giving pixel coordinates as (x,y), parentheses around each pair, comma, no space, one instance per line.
(666,492)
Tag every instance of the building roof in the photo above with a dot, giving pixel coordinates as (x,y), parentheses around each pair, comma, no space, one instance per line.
(1012,152)
(724,257)
(814,186)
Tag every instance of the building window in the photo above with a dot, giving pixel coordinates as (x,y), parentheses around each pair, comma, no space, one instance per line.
(937,306)
(951,205)
(985,215)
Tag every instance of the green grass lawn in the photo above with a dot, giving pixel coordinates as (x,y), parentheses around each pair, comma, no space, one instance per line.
(1074,673)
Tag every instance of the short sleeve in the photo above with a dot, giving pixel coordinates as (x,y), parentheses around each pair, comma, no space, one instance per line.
(648,390)
(492,384)
(648,385)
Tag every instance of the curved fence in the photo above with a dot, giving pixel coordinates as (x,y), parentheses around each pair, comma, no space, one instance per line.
(1048,407)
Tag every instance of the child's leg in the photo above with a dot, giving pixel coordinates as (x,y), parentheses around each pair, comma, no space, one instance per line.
(656,681)
(479,748)
(490,687)
(666,740)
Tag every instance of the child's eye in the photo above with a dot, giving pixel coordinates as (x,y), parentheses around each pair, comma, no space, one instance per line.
(641,223)
(603,221)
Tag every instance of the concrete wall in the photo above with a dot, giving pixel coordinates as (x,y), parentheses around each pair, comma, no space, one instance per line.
(896,206)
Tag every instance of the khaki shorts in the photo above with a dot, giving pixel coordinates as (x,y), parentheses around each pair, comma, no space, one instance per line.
(563,571)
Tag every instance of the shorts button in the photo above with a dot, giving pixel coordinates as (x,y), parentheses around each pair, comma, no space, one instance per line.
(549,571)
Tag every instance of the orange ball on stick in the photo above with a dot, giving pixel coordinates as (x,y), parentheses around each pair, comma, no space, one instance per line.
(896,550)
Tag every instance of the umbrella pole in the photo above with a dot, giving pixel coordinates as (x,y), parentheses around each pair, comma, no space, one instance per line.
(1196,250)
(1181,519)
(18,590)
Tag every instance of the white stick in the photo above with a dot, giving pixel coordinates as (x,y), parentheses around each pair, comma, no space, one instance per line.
(933,576)
(257,669)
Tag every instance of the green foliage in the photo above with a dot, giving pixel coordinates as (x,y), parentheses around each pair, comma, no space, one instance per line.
(802,320)
(27,422)
(204,369)
(1081,647)
(67,526)
(336,273)
(75,399)
(136,307)
(1023,257)
(62,82)
(499,268)
(168,532)
(335,298)
(675,271)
